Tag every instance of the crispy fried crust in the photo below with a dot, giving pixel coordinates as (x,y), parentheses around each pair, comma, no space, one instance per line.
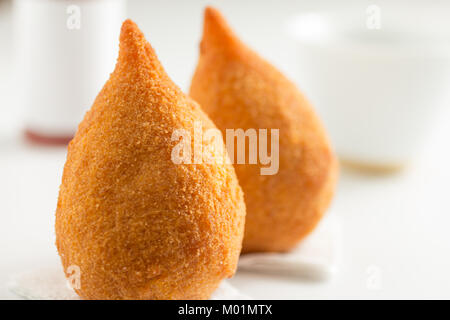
(238,89)
(138,225)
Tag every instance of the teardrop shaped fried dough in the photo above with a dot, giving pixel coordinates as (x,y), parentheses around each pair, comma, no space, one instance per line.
(238,89)
(136,224)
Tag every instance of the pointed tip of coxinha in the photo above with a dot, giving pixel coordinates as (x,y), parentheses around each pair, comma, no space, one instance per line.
(129,26)
(132,40)
(216,31)
(135,49)
(215,21)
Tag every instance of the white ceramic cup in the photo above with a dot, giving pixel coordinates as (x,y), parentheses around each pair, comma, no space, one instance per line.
(377,90)
(64,52)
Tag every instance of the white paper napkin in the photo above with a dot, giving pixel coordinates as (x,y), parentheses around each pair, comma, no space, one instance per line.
(50,284)
(316,258)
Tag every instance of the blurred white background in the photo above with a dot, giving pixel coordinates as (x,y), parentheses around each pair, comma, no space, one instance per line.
(396,242)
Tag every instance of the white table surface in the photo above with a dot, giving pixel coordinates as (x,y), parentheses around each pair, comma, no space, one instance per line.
(396,239)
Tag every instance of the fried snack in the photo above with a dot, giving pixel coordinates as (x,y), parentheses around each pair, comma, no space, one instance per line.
(137,225)
(238,89)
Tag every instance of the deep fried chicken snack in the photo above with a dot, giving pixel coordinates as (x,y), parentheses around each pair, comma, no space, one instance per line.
(238,89)
(137,225)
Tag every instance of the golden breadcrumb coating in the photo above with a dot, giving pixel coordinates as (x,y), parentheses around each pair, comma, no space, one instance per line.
(238,89)
(138,225)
